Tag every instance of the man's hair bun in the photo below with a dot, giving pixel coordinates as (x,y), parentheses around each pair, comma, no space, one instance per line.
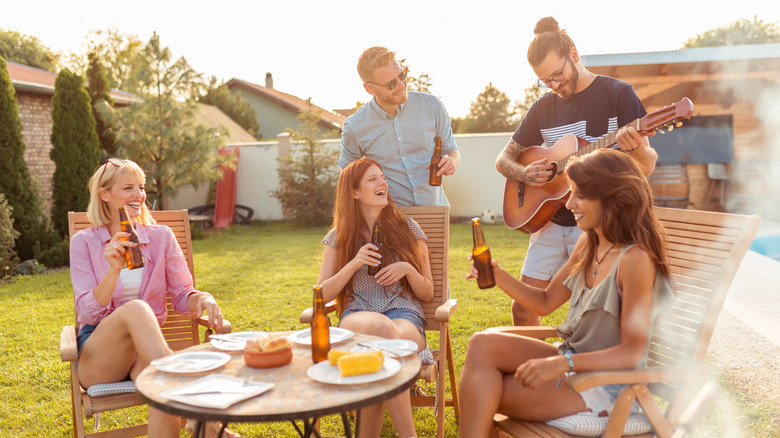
(546,24)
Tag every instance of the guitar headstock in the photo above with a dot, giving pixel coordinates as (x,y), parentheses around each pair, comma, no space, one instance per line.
(667,117)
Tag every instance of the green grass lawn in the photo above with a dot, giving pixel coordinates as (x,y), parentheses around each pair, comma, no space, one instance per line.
(262,276)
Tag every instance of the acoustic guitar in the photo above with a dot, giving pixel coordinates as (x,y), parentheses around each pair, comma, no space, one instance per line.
(528,208)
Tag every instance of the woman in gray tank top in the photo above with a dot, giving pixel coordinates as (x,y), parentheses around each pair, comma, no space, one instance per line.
(616,282)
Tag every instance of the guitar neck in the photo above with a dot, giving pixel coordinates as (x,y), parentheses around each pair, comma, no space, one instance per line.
(603,142)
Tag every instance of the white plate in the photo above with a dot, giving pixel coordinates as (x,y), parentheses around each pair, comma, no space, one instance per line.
(236,343)
(326,373)
(216,391)
(194,362)
(303,337)
(399,347)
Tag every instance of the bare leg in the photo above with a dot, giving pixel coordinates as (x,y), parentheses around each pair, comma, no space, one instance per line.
(522,316)
(371,419)
(162,424)
(123,344)
(487,384)
(399,407)
(131,334)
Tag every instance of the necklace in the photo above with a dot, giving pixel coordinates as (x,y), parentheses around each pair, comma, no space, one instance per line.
(597,261)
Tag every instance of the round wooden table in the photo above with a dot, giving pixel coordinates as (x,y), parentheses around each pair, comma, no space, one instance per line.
(295,396)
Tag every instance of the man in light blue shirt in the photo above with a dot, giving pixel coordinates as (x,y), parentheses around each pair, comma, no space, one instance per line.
(397,128)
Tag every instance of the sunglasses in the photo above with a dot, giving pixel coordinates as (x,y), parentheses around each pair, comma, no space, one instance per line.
(114,162)
(391,85)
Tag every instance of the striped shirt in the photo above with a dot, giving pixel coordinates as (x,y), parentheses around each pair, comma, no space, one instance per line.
(165,270)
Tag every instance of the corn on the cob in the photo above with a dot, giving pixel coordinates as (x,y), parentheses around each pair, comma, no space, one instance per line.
(360,363)
(334,355)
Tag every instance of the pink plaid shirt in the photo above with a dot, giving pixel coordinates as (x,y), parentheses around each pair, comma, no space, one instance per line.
(165,270)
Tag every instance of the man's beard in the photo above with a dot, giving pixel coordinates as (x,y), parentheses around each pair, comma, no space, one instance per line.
(572,80)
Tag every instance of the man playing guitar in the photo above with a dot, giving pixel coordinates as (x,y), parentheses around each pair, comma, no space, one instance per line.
(581,103)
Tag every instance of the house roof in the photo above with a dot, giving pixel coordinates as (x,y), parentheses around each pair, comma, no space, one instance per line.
(711,75)
(333,120)
(34,80)
(213,116)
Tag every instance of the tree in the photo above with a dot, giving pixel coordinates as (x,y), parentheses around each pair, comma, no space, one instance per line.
(532,93)
(489,113)
(421,82)
(160,133)
(116,50)
(75,148)
(308,177)
(233,105)
(8,258)
(15,182)
(737,33)
(100,91)
(27,50)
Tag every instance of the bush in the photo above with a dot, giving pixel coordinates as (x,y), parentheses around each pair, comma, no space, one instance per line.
(54,255)
(8,258)
(308,177)
(15,181)
(75,148)
(29,267)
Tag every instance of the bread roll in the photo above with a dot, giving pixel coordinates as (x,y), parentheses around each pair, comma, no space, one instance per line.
(278,343)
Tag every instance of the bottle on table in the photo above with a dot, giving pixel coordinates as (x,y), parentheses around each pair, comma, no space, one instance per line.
(433,178)
(373,270)
(480,255)
(132,253)
(320,329)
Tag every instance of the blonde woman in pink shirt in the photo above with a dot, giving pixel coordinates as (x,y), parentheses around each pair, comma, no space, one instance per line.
(120,311)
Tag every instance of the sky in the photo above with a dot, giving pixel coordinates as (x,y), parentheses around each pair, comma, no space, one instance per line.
(311,47)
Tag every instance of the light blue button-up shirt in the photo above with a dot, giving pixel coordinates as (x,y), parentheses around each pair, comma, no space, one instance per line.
(402,144)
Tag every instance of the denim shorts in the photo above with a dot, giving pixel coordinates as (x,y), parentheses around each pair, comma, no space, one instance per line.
(407,314)
(602,398)
(548,250)
(84,333)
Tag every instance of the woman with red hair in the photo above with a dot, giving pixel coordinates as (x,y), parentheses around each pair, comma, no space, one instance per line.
(387,304)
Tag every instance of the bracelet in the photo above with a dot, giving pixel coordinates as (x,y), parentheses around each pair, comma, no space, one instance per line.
(567,355)
(632,150)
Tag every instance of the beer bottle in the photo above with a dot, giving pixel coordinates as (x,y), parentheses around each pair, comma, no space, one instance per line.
(433,178)
(320,329)
(132,253)
(480,255)
(373,270)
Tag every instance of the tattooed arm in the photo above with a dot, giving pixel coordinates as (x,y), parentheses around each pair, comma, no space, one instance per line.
(534,174)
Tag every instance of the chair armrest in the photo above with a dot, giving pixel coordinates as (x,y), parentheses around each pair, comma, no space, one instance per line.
(203,321)
(68,349)
(308,312)
(537,332)
(581,381)
(445,311)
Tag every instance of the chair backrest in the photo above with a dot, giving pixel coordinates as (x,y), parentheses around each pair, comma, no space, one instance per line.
(705,250)
(717,171)
(179,330)
(435,222)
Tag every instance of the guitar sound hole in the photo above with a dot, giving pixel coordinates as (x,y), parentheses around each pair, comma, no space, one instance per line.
(554,172)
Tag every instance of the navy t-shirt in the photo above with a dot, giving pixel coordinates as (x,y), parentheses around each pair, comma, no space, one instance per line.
(604,106)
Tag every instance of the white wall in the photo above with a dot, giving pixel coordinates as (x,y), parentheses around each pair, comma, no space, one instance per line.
(475,187)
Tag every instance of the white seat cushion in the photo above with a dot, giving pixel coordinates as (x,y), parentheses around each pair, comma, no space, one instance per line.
(590,424)
(104,389)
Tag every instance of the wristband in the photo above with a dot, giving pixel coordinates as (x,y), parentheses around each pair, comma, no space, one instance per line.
(567,355)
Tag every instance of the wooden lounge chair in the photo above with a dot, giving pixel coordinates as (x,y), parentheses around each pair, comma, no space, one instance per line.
(435,222)
(181,331)
(705,250)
